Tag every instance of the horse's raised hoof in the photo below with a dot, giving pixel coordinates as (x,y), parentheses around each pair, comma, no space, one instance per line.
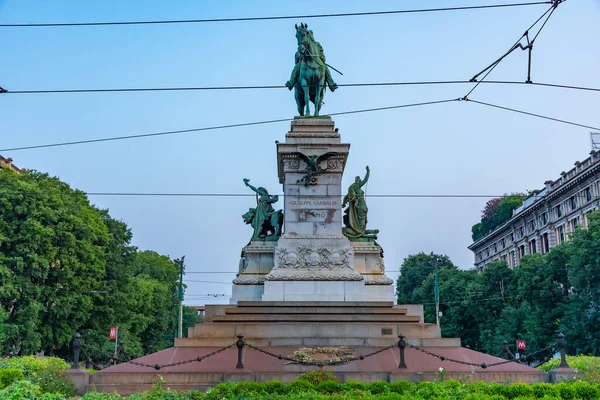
(332,87)
(290,86)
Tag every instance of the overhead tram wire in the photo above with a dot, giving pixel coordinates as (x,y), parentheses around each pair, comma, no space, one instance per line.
(218,127)
(562,121)
(271,18)
(268,87)
(516,45)
(285,120)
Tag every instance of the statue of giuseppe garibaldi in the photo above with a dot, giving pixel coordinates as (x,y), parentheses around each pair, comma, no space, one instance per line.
(311,73)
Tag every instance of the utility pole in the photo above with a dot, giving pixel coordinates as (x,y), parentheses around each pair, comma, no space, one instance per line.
(437,292)
(181,269)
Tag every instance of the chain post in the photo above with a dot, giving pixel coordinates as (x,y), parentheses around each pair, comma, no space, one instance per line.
(76,349)
(402,346)
(562,345)
(240,345)
(506,353)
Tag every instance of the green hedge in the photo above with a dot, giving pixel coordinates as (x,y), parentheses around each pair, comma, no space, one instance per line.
(329,389)
(588,366)
(45,373)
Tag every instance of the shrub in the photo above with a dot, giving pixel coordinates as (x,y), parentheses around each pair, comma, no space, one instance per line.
(565,390)
(588,366)
(351,385)
(391,396)
(318,376)
(101,396)
(500,390)
(478,387)
(329,387)
(585,390)
(275,387)
(45,372)
(402,387)
(519,390)
(301,386)
(10,375)
(544,389)
(378,387)
(245,386)
(429,390)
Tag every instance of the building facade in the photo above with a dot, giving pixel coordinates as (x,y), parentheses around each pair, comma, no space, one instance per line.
(546,218)
(7,163)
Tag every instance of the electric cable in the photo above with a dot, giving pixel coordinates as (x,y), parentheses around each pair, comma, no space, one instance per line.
(108,139)
(267,87)
(532,114)
(513,47)
(271,18)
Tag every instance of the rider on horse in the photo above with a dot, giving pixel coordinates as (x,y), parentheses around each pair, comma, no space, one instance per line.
(319,58)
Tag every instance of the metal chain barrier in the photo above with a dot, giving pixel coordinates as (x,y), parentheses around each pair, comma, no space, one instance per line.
(319,363)
(486,365)
(191,360)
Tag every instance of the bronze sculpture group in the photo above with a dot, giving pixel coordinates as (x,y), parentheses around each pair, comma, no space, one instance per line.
(309,78)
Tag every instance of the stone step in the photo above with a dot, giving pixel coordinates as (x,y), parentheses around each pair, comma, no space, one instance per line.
(345,304)
(315,310)
(314,318)
(328,329)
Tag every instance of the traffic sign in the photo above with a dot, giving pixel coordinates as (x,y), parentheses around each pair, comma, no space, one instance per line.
(521,345)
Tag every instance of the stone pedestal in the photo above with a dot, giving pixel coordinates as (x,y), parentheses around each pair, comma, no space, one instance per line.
(313,260)
(256,262)
(80,378)
(368,260)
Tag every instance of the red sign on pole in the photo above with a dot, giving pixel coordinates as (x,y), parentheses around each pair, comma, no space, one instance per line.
(113,333)
(521,345)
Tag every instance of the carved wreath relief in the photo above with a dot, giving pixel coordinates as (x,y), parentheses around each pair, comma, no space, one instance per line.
(309,258)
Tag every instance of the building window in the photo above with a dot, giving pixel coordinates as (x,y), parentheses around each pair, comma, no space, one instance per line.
(545,243)
(531,225)
(495,248)
(520,232)
(532,247)
(520,254)
(544,218)
(572,202)
(503,243)
(587,193)
(558,210)
(487,252)
(511,238)
(574,224)
(560,234)
(479,256)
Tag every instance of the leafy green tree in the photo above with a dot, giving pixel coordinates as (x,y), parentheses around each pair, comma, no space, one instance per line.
(51,248)
(496,212)
(583,312)
(67,267)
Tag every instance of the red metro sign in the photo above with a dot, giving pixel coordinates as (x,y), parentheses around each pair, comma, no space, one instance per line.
(521,345)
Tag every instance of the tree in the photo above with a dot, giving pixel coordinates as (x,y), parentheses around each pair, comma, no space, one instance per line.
(496,212)
(583,312)
(68,267)
(412,287)
(51,248)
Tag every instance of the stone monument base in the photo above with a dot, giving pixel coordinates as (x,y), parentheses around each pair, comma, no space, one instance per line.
(284,327)
(314,290)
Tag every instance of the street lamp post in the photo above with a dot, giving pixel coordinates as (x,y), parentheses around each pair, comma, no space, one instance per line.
(437,292)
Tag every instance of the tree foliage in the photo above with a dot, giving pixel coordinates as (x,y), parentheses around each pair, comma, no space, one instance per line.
(545,295)
(68,267)
(496,212)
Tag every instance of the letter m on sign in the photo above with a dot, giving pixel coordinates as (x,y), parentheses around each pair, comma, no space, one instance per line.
(113,333)
(521,345)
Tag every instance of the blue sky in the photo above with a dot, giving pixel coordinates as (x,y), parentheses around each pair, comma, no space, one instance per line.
(454,148)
